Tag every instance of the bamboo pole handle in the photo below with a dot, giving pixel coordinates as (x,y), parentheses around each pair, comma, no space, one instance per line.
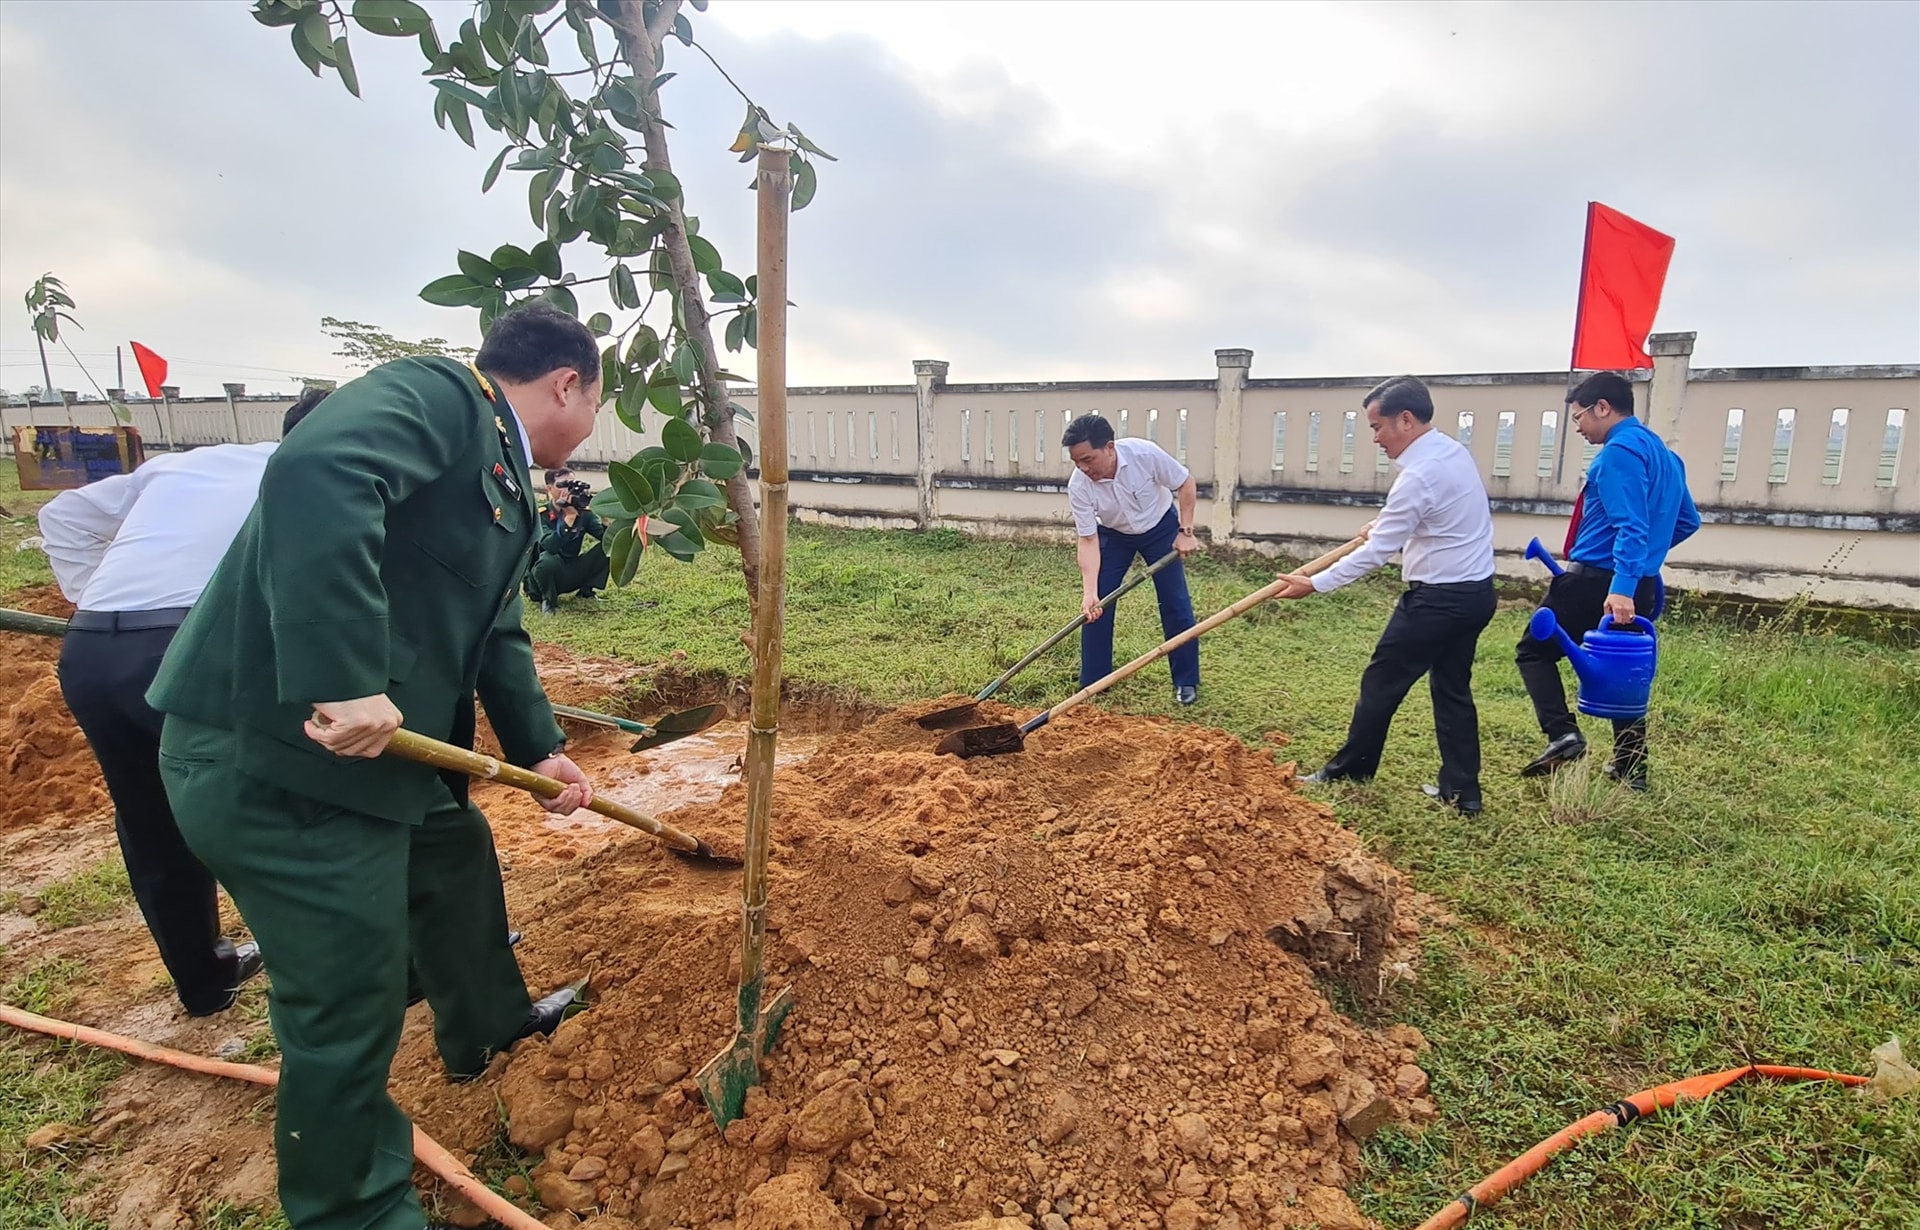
(1034,655)
(27,621)
(1241,607)
(410,745)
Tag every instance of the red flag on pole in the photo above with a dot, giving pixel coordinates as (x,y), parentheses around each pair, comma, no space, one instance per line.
(1621,276)
(153,368)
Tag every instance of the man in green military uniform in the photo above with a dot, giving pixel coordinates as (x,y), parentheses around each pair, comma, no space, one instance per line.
(563,563)
(377,580)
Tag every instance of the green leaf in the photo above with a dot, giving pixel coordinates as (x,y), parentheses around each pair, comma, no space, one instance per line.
(746,450)
(273,13)
(600,323)
(681,441)
(679,545)
(453,89)
(391,18)
(723,283)
(462,122)
(562,298)
(665,396)
(666,185)
(805,183)
(610,372)
(538,189)
(644,350)
(478,268)
(546,258)
(736,331)
(343,64)
(623,556)
(721,461)
(493,172)
(625,294)
(635,491)
(606,505)
(683,364)
(528,42)
(454,290)
(706,257)
(304,49)
(583,202)
(683,29)
(800,138)
(316,33)
(698,493)
(630,403)
(659,270)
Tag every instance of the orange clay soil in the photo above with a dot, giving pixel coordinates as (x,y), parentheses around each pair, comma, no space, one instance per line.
(40,746)
(1074,987)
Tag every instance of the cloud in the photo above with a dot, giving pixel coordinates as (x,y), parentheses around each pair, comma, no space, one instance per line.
(1030,191)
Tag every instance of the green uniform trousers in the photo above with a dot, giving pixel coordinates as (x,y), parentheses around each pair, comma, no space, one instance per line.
(553,574)
(337,899)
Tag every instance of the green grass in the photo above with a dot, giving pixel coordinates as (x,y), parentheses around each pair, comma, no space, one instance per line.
(42,1082)
(17,567)
(1760,903)
(86,896)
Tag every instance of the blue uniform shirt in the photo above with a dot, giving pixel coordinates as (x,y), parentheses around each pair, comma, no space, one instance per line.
(1636,507)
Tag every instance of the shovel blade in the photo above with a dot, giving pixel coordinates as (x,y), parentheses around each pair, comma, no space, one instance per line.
(676,726)
(725,1079)
(948,718)
(1000,740)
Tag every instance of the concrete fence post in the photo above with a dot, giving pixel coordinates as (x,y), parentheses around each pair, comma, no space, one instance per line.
(928,376)
(234,393)
(1232,367)
(1667,392)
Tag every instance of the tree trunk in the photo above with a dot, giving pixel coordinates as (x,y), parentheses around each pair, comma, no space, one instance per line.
(640,42)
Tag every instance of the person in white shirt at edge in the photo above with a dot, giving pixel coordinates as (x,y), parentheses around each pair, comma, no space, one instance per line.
(1438,517)
(133,553)
(1130,497)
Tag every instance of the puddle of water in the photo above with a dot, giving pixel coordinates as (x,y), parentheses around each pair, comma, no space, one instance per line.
(697,769)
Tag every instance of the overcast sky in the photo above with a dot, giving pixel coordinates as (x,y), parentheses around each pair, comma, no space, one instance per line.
(1030,191)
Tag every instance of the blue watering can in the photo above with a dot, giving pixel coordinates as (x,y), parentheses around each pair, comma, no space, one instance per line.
(1536,551)
(1615,665)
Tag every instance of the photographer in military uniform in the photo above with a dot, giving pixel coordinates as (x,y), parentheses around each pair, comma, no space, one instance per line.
(563,563)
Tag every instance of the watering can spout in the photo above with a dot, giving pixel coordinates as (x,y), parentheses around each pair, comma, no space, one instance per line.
(1544,627)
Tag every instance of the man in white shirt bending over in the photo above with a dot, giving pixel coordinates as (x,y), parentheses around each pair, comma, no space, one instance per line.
(1130,497)
(133,553)
(1438,518)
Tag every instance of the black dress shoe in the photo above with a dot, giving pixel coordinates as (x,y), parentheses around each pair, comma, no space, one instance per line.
(546,1014)
(1564,750)
(247,964)
(1318,778)
(1186,694)
(1466,807)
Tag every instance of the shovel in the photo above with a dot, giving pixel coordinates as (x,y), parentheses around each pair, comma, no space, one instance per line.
(953,715)
(1006,738)
(669,728)
(418,748)
(27,621)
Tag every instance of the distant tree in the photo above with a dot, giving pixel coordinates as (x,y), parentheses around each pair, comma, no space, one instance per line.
(365,346)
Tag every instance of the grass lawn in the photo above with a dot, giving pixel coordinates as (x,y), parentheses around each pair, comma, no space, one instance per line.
(1761,903)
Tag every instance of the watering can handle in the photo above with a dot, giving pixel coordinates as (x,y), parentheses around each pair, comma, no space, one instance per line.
(1639,621)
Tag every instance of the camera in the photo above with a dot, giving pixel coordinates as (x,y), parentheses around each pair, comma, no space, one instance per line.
(579,493)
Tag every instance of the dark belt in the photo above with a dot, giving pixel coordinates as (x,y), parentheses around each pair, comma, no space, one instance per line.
(1462,586)
(127,621)
(1579,569)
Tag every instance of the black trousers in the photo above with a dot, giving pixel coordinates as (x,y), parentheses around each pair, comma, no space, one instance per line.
(104,677)
(1578,600)
(1432,632)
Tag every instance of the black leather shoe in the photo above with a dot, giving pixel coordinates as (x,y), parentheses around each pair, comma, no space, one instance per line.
(1186,694)
(1318,778)
(547,1014)
(549,607)
(1564,750)
(1466,807)
(247,965)
(1632,780)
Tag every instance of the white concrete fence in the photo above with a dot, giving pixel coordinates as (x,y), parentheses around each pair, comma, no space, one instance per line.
(1808,479)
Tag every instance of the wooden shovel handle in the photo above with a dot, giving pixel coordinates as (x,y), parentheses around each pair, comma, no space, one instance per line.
(1241,607)
(409,745)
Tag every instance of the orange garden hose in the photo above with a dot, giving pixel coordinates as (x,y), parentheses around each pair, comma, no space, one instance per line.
(430,1154)
(1619,1114)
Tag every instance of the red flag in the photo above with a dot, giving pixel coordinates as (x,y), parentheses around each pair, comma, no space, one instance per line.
(152,367)
(1621,276)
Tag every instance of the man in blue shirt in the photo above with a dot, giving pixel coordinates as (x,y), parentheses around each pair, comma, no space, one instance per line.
(1633,509)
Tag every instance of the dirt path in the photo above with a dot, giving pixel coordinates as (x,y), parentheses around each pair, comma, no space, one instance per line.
(1079,987)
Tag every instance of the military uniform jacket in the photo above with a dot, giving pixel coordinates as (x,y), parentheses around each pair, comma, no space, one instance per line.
(384,555)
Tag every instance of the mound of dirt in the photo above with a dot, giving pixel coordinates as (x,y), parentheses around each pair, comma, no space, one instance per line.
(49,768)
(1075,988)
